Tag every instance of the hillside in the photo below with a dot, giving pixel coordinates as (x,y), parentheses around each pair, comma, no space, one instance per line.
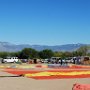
(8,47)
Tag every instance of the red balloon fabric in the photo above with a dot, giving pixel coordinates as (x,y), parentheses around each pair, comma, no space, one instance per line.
(81,87)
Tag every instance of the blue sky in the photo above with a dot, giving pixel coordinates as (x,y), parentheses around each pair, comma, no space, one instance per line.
(45,22)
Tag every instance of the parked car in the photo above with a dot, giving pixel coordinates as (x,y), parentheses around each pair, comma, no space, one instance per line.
(10,60)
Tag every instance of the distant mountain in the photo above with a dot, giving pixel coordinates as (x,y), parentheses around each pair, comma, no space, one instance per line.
(8,47)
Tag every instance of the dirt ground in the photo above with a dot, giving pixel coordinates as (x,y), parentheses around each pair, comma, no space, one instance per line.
(9,82)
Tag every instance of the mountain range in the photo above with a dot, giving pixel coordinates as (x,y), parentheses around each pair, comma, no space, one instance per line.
(8,47)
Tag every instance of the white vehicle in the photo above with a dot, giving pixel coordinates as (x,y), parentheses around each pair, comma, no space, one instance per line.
(11,59)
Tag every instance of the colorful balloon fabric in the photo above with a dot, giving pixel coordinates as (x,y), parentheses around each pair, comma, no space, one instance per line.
(74,71)
(57,73)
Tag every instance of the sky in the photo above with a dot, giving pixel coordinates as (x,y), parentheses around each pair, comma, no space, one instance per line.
(45,22)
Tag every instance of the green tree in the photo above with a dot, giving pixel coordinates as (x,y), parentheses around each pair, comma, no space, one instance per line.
(77,53)
(88,54)
(28,53)
(83,50)
(66,54)
(46,53)
(4,54)
(57,54)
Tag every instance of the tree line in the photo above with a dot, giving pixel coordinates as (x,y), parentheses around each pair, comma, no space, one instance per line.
(30,53)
